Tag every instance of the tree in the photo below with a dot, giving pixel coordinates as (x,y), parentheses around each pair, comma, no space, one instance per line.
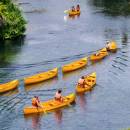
(12,23)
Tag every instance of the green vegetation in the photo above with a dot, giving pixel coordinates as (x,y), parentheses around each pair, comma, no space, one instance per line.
(12,24)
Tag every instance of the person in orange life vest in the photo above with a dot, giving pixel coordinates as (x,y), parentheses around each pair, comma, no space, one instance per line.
(81,82)
(77,8)
(58,96)
(36,102)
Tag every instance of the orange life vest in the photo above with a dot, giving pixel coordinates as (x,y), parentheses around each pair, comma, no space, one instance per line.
(34,101)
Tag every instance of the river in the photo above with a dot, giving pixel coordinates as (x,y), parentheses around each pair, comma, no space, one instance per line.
(52,40)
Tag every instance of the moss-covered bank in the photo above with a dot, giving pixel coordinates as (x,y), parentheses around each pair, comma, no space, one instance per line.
(12,24)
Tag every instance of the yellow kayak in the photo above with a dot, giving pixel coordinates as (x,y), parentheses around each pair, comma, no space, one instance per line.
(51,105)
(112,47)
(90,81)
(41,77)
(99,55)
(72,13)
(75,65)
(8,86)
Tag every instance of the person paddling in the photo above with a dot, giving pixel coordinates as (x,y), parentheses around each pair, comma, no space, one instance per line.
(73,9)
(108,45)
(58,96)
(81,82)
(36,102)
(78,7)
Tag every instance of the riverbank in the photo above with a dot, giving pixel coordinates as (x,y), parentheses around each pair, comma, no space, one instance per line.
(12,23)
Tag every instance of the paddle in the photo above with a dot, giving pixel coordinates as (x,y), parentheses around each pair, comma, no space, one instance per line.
(66,11)
(45,112)
(41,107)
(44,109)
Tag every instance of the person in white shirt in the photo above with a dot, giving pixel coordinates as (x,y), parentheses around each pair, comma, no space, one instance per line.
(108,45)
(58,96)
(81,82)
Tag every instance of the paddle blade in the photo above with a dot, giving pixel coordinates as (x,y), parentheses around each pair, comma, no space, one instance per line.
(66,11)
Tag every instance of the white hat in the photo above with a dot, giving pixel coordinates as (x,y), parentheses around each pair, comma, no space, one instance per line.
(107,42)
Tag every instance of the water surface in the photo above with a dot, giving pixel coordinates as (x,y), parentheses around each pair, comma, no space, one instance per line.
(52,40)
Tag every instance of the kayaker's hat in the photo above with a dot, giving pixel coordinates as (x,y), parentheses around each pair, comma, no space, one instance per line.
(107,42)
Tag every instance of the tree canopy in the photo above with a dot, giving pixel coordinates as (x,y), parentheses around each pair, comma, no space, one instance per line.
(12,23)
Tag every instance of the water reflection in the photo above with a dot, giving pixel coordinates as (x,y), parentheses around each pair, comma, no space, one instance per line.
(124,37)
(36,120)
(82,101)
(124,31)
(8,54)
(9,49)
(113,8)
(74,73)
(41,85)
(11,93)
(67,17)
(58,116)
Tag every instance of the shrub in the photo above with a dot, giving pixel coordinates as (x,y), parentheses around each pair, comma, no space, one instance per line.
(12,24)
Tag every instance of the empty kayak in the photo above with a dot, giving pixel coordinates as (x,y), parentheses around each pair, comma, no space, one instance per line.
(41,77)
(112,46)
(8,86)
(51,105)
(99,55)
(90,82)
(75,65)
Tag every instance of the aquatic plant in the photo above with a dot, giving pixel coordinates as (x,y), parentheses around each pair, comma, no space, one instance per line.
(12,23)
